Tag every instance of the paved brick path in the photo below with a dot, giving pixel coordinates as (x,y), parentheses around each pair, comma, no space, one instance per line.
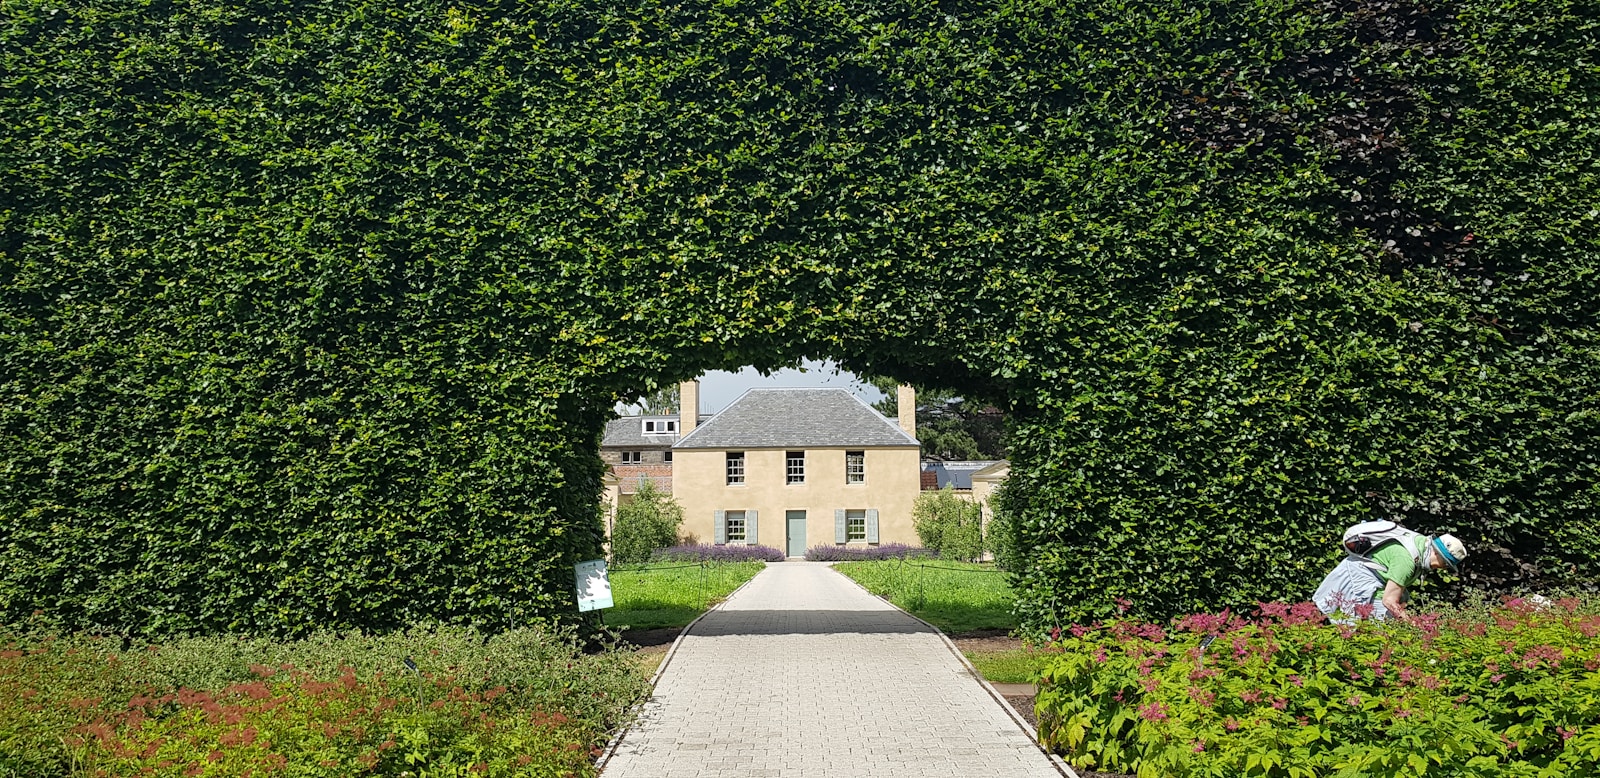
(803,673)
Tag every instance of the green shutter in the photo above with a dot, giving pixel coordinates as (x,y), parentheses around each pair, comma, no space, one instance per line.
(750,534)
(872,525)
(838,526)
(720,534)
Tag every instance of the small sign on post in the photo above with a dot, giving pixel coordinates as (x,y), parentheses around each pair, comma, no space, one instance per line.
(594,588)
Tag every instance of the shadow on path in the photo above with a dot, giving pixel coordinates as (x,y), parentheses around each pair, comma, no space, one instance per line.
(724,623)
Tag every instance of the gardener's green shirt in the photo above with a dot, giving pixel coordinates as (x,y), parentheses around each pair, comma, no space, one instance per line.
(1400,560)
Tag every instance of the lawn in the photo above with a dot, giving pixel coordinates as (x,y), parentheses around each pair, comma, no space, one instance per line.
(956,597)
(1015,666)
(672,594)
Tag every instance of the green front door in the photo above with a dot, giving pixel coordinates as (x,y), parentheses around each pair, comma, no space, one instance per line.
(797,533)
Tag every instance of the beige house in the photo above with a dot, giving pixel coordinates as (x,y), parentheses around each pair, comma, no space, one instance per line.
(787,468)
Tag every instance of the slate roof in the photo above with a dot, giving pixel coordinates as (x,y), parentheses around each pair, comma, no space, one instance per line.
(628,432)
(797,418)
(957,474)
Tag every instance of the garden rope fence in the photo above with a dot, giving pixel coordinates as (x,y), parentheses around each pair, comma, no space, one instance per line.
(922,566)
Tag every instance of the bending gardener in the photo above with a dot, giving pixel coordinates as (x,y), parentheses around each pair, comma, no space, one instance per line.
(1374,584)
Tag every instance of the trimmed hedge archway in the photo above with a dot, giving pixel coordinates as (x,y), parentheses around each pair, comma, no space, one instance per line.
(311,312)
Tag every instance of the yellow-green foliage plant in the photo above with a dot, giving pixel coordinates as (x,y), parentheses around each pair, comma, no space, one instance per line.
(312,312)
(1488,692)
(524,703)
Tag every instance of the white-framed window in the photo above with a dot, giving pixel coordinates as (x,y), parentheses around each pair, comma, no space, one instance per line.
(735,467)
(855,525)
(855,467)
(794,467)
(660,426)
(738,528)
(632,457)
(666,457)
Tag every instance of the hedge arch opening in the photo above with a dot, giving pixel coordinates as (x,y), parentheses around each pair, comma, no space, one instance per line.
(310,314)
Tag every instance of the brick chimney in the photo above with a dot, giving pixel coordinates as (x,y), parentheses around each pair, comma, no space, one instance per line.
(907,403)
(688,407)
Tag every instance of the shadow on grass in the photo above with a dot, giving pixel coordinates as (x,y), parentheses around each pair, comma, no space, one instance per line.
(651,614)
(956,617)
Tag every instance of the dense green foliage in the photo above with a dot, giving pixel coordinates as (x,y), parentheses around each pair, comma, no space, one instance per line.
(956,597)
(521,703)
(311,312)
(672,595)
(949,427)
(949,525)
(1507,691)
(649,520)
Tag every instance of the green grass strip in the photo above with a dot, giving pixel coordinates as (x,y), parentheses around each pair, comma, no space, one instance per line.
(956,597)
(658,596)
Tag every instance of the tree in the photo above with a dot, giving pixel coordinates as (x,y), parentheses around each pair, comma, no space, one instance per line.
(663,401)
(950,427)
(948,524)
(648,522)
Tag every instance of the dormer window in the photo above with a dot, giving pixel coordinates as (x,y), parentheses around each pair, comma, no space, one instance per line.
(660,426)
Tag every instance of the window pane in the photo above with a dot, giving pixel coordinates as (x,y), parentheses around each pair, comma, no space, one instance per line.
(796,467)
(735,467)
(855,467)
(735,522)
(855,525)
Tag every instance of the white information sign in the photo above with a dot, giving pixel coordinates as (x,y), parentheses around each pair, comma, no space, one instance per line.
(594,588)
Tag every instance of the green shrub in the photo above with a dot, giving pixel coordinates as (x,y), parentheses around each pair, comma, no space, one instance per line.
(521,703)
(948,525)
(1510,691)
(648,522)
(1002,534)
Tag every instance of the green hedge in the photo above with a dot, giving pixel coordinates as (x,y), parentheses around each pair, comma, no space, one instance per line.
(311,313)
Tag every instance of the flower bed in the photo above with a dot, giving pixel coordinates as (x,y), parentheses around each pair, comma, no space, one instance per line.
(705,552)
(835,553)
(1505,691)
(521,703)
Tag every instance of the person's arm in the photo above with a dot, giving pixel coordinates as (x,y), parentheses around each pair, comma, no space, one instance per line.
(1394,599)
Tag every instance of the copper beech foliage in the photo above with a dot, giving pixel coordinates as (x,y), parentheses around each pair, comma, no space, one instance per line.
(311,312)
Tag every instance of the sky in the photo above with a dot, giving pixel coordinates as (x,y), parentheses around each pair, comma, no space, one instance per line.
(718,388)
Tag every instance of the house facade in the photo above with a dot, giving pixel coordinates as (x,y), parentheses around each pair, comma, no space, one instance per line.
(795,468)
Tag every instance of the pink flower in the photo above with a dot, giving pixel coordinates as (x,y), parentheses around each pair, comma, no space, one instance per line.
(1199,746)
(1155,711)
(1232,724)
(1280,703)
(1250,696)
(1353,701)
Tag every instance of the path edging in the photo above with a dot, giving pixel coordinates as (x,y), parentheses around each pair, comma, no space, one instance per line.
(616,740)
(1022,723)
